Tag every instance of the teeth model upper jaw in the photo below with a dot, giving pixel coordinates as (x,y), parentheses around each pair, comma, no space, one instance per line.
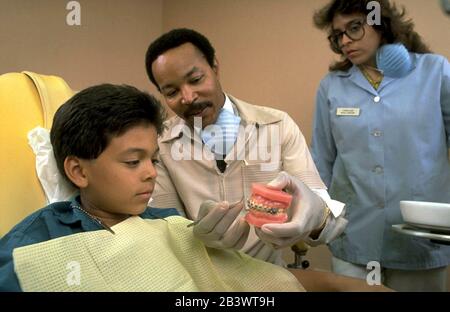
(253,205)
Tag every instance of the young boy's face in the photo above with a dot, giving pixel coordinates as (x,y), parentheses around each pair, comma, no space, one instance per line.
(121,180)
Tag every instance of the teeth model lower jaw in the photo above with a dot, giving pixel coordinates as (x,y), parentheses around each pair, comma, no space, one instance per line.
(252,205)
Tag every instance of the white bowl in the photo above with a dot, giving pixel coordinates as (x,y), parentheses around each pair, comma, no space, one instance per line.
(435,216)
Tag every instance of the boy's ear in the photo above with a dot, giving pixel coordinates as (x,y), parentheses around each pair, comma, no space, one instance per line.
(74,169)
(216,66)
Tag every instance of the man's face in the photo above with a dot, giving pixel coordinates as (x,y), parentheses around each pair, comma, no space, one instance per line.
(190,87)
(122,178)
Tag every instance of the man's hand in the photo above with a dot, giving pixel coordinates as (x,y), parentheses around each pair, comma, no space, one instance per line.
(220,225)
(307,214)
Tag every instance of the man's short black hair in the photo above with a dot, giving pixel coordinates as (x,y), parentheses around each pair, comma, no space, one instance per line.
(173,39)
(85,124)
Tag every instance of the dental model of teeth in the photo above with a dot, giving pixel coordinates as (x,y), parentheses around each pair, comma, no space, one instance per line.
(267,205)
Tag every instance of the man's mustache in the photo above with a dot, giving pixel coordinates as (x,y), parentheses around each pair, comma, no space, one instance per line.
(195,108)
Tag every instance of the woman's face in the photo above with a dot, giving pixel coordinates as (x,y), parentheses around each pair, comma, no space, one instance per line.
(360,42)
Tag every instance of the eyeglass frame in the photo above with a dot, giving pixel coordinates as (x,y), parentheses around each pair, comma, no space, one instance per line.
(335,43)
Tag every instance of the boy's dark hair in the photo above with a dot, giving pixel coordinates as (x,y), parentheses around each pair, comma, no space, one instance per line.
(394,25)
(173,39)
(85,124)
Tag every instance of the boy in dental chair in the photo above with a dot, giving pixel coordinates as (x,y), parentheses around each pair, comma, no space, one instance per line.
(105,143)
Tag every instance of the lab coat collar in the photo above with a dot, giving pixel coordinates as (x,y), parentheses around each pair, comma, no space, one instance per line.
(356,76)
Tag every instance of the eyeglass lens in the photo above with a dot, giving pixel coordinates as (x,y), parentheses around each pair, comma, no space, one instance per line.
(354,30)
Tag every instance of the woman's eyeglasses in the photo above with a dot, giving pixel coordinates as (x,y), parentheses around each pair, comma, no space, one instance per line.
(354,30)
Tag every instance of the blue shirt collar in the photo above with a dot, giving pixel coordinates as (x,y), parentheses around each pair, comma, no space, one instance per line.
(71,214)
(355,75)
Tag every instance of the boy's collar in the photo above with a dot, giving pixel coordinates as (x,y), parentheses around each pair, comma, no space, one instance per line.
(74,215)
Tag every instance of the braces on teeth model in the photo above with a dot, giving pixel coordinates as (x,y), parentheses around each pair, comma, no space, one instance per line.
(267,205)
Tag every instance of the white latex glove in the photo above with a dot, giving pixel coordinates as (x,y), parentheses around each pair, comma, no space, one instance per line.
(220,226)
(307,213)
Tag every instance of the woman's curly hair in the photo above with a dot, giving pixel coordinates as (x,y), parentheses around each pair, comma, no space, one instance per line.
(394,27)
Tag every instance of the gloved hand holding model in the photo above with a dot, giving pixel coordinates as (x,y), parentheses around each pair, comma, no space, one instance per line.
(309,214)
(220,226)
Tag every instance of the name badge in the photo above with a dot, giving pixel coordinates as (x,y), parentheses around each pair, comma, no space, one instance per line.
(348,111)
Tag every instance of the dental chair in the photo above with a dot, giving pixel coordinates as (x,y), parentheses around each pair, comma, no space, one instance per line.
(27,100)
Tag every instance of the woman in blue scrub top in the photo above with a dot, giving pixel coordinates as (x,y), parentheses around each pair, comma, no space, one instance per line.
(382,135)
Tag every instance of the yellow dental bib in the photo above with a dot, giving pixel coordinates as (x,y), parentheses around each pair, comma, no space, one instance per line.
(144,255)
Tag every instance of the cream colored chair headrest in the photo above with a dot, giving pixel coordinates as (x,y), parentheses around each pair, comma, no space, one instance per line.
(27,100)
